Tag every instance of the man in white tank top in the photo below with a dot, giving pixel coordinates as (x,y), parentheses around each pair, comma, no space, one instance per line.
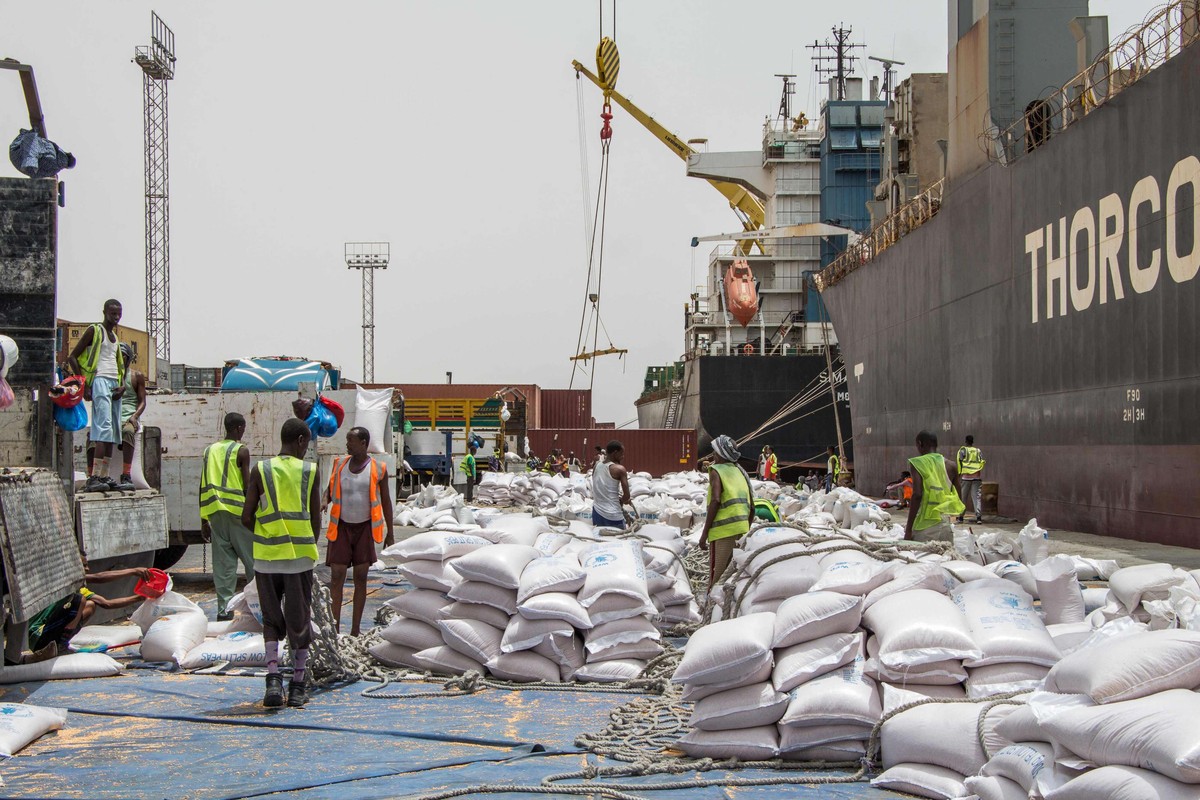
(97,356)
(610,489)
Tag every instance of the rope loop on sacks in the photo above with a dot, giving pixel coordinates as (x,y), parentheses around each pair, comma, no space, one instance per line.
(988,704)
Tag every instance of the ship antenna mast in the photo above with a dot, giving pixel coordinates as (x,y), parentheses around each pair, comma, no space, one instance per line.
(785,101)
(835,58)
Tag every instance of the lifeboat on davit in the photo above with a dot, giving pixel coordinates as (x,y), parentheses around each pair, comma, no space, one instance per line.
(741,298)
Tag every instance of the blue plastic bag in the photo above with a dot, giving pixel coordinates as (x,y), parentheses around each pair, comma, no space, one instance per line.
(321,421)
(74,418)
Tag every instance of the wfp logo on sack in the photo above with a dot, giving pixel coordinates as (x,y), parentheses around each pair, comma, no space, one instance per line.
(1007,601)
(15,711)
(599,560)
(235,636)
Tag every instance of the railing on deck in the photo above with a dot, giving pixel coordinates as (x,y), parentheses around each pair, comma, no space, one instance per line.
(902,221)
(1134,55)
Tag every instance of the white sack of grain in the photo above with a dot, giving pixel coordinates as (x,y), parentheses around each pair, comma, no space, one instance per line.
(850,752)
(170,638)
(551,542)
(1033,543)
(525,634)
(1129,667)
(566,651)
(22,724)
(746,744)
(1124,783)
(852,572)
(239,649)
(1004,678)
(725,650)
(911,576)
(1004,625)
(556,605)
(1158,732)
(745,707)
(622,631)
(460,609)
(1058,588)
(942,734)
(499,565)
(422,604)
(613,568)
(794,738)
(413,633)
(550,574)
(1018,573)
(802,662)
(63,668)
(989,787)
(1094,598)
(644,649)
(920,627)
(487,594)
(172,602)
(394,655)
(757,672)
(445,660)
(101,638)
(610,607)
(1031,765)
(515,529)
(523,667)
(617,670)
(431,547)
(966,571)
(1093,569)
(922,780)
(1131,585)
(811,616)
(787,578)
(937,673)
(438,576)
(844,695)
(474,639)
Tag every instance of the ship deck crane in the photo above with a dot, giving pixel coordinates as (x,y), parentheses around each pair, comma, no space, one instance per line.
(748,207)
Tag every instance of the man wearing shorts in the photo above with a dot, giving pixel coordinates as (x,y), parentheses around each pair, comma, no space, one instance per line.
(360,512)
(610,488)
(133,403)
(97,357)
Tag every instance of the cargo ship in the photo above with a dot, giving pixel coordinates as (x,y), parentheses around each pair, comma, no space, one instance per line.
(1042,295)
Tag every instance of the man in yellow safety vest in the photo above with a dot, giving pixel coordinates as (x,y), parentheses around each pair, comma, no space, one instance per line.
(97,357)
(730,506)
(470,468)
(283,510)
(934,493)
(970,475)
(360,512)
(223,478)
(833,468)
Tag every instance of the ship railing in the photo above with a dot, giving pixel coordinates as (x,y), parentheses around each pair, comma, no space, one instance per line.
(893,228)
(1136,53)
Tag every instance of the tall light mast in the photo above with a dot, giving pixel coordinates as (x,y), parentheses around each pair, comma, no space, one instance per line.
(368,257)
(158,66)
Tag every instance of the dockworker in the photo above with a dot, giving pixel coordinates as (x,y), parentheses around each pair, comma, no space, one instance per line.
(133,403)
(935,492)
(97,357)
(224,476)
(901,490)
(573,463)
(610,488)
(283,509)
(730,506)
(768,464)
(833,468)
(468,466)
(360,513)
(52,628)
(970,475)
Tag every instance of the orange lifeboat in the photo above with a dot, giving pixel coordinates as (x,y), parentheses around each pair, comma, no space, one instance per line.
(741,298)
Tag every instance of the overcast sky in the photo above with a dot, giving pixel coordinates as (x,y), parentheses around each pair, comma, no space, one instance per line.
(449,129)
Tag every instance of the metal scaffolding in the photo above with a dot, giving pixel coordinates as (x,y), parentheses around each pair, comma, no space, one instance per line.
(368,257)
(158,66)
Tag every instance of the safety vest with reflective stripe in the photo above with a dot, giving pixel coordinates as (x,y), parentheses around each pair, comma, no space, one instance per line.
(468,466)
(282,522)
(221,487)
(735,509)
(770,468)
(835,467)
(938,496)
(89,359)
(378,471)
(970,461)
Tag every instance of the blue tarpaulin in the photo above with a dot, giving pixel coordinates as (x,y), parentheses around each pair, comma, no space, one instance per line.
(270,374)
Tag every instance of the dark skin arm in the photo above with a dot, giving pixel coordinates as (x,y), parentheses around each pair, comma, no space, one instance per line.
(120,602)
(253,493)
(622,475)
(714,504)
(116,575)
(314,509)
(385,497)
(84,343)
(914,504)
(139,389)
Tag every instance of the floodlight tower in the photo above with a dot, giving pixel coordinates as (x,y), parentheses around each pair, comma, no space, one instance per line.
(158,66)
(368,257)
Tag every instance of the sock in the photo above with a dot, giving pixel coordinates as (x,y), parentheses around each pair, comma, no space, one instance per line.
(101,467)
(272,658)
(298,668)
(127,471)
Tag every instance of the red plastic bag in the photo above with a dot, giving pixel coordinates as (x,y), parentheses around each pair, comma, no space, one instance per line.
(152,586)
(7,398)
(339,413)
(68,393)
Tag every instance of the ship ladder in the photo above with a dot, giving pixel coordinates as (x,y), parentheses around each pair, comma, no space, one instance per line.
(673,401)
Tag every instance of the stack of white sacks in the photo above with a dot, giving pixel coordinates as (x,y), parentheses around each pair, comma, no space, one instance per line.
(1099,705)
(525,602)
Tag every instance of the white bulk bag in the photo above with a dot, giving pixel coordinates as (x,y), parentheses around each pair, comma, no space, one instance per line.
(63,668)
(474,639)
(757,673)
(852,572)
(1004,678)
(1033,543)
(556,605)
(101,638)
(919,627)
(812,616)
(499,565)
(621,631)
(515,529)
(413,633)
(240,648)
(911,576)
(170,638)
(966,571)
(437,576)
(744,707)
(615,671)
(611,607)
(550,543)
(1130,585)
(487,594)
(1031,765)
(525,634)
(566,651)
(460,609)
(445,660)
(613,568)
(524,667)
(844,695)
(746,744)
(793,738)
(1124,783)
(421,604)
(172,602)
(1004,625)
(1058,588)
(922,780)
(1018,573)
(943,734)
(21,724)
(394,655)
(550,574)
(937,673)
(802,662)
(788,578)
(725,650)
(1129,667)
(432,546)
(373,411)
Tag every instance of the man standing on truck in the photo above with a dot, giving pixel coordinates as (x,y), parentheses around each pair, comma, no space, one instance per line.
(97,357)
(133,403)
(360,512)
(225,473)
(283,509)
(934,493)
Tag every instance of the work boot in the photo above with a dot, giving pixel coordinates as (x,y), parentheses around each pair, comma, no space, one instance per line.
(274,696)
(297,694)
(958,520)
(95,484)
(109,484)
(126,484)
(45,654)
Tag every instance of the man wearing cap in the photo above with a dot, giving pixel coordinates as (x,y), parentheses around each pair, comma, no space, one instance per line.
(730,507)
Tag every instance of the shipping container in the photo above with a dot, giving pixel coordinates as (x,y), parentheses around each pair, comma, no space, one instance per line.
(144,358)
(657,451)
(566,408)
(475,391)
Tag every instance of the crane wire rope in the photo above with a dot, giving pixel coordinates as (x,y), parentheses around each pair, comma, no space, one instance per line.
(590,237)
(602,214)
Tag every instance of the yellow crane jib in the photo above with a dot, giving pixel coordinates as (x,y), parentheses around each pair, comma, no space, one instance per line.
(610,351)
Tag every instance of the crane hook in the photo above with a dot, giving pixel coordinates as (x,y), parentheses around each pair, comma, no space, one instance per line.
(606,115)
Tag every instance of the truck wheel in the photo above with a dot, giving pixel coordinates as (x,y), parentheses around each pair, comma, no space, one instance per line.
(169,556)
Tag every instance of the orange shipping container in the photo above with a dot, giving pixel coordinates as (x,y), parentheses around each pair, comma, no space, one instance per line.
(657,451)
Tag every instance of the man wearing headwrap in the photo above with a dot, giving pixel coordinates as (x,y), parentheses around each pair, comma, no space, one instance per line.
(730,506)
